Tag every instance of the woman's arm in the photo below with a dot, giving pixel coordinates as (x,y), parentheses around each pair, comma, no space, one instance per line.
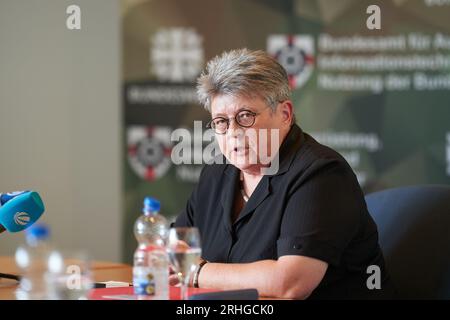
(289,277)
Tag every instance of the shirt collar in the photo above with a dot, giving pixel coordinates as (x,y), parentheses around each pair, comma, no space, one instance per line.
(291,144)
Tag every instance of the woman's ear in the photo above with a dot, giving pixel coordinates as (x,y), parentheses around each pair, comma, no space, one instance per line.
(287,111)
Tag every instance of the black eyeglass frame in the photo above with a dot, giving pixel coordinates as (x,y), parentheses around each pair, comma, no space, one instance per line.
(254,114)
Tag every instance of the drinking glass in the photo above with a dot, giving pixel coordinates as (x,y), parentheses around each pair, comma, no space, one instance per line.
(184,250)
(75,280)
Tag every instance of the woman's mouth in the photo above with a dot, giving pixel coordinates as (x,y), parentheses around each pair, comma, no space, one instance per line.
(240,150)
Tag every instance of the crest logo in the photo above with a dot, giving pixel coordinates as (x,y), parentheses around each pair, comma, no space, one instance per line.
(296,54)
(149,150)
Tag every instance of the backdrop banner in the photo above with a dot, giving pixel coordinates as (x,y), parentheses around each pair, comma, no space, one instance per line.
(380,97)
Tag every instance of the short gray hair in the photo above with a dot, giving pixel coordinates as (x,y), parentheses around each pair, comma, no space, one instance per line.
(244,72)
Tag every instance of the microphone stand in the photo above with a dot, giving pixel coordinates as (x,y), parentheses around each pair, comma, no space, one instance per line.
(10,276)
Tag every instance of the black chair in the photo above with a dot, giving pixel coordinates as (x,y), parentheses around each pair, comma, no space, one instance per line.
(414,230)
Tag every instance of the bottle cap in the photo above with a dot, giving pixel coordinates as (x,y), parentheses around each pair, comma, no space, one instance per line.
(151,204)
(37,232)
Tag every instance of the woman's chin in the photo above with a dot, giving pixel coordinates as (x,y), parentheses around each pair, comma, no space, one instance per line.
(244,163)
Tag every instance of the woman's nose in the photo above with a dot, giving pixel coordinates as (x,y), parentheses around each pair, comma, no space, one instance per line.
(234,129)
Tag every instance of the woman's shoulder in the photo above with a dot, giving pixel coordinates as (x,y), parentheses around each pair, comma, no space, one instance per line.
(313,150)
(314,158)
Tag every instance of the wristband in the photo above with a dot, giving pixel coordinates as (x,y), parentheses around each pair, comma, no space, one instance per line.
(197,273)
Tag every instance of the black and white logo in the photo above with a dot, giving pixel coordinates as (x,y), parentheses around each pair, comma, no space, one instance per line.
(176,54)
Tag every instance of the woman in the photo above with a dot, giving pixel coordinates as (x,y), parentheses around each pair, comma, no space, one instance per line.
(286,214)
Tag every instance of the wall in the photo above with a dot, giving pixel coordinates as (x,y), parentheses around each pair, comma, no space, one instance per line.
(60,119)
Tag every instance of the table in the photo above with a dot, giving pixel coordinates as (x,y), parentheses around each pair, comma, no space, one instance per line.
(102,271)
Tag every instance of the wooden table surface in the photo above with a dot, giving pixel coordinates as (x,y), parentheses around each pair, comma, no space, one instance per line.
(102,271)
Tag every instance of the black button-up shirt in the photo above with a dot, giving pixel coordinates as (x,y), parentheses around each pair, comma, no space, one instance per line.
(313,206)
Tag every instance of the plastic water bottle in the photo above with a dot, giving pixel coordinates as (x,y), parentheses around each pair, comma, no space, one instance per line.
(151,262)
(40,265)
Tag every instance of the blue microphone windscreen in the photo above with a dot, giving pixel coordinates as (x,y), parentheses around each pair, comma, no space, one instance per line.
(5,197)
(21,211)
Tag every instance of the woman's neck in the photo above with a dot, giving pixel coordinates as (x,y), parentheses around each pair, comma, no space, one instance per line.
(249,182)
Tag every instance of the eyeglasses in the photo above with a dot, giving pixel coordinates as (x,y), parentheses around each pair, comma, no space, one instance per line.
(244,118)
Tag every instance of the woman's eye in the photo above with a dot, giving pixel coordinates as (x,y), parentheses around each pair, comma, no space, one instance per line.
(219,122)
(245,115)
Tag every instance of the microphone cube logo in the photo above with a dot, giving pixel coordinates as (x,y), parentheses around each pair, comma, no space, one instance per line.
(21,218)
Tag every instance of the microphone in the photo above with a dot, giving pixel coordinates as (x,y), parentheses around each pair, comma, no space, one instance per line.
(19,210)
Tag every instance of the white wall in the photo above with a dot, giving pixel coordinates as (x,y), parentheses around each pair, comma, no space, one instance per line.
(60,119)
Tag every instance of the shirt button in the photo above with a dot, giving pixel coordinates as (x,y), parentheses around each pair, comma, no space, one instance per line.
(297,246)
